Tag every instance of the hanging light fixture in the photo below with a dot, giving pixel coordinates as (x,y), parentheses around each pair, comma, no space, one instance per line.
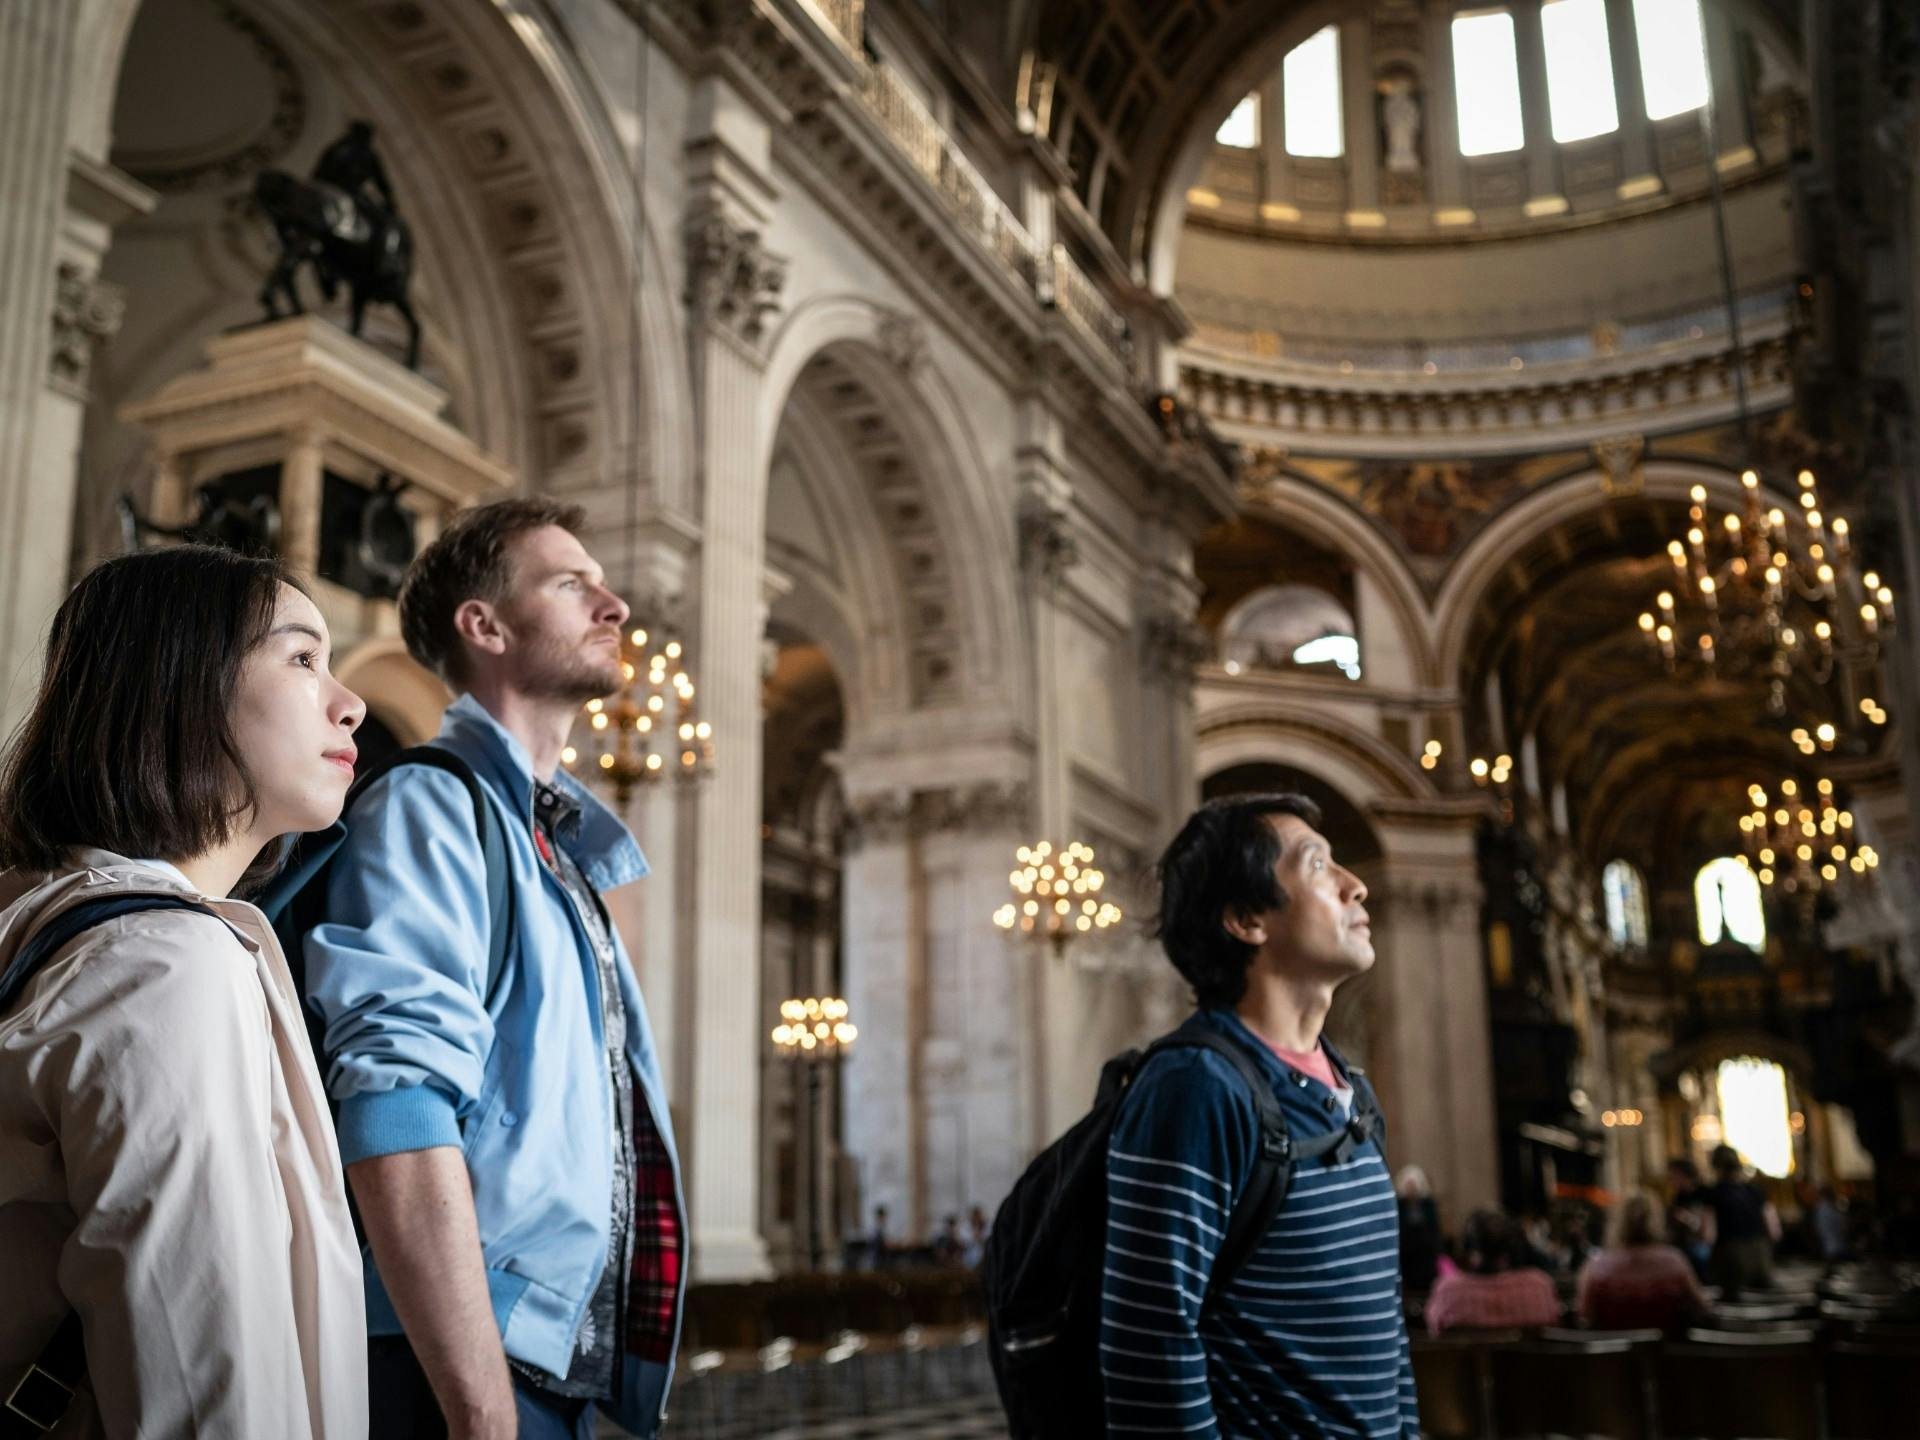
(1057,894)
(1799,839)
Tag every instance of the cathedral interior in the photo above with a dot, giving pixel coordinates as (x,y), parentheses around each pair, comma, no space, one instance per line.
(1013,423)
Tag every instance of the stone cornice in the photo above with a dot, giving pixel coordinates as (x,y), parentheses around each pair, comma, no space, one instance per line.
(1381,416)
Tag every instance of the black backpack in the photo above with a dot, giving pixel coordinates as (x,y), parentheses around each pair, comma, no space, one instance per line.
(1044,1256)
(295,900)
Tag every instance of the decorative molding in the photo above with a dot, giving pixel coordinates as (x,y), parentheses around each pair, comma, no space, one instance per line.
(903,340)
(235,167)
(1048,548)
(891,817)
(1172,646)
(733,280)
(1619,461)
(86,314)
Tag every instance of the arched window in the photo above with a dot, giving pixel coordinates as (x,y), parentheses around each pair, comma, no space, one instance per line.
(1241,128)
(1754,1117)
(1726,897)
(1626,899)
(1673,56)
(1310,96)
(1486,83)
(1290,626)
(1579,69)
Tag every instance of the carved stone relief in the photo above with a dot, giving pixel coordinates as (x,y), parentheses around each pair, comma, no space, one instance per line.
(86,313)
(733,280)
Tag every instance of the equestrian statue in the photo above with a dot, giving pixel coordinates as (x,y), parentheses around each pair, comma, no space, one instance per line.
(344,223)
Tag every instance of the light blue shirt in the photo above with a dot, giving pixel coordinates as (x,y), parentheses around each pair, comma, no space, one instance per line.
(417,1056)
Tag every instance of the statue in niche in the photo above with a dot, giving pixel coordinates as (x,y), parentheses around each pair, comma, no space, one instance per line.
(1400,123)
(345,224)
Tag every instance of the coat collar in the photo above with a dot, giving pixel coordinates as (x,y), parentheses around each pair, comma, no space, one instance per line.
(604,848)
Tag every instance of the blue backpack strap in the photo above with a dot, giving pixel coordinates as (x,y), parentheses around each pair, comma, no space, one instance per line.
(51,937)
(1254,1209)
(493,846)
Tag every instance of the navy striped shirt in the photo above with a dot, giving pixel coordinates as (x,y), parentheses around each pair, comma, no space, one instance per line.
(1309,1337)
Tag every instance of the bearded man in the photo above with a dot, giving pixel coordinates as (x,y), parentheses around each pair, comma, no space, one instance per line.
(505,1134)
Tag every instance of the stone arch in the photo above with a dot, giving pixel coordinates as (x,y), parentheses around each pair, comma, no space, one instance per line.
(405,695)
(951,542)
(483,126)
(1329,521)
(1524,523)
(1362,767)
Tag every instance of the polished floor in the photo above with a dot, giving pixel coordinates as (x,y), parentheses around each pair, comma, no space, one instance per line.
(970,1419)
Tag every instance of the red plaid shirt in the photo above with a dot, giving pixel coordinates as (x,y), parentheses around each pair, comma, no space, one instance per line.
(658,1246)
(1513,1299)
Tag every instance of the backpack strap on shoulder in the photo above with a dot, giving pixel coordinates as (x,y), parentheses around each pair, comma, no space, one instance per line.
(493,844)
(51,937)
(1273,1161)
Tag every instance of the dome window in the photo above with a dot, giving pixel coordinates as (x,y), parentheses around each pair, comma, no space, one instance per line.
(1579,69)
(1310,91)
(1486,83)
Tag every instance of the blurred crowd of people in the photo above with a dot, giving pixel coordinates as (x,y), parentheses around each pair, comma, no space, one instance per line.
(1646,1261)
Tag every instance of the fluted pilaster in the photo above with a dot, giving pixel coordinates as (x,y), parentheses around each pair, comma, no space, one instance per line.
(36,56)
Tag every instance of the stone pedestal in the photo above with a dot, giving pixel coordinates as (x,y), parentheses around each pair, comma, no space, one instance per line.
(305,396)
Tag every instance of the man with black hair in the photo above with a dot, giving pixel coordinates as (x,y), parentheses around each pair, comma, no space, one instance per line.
(1307,1337)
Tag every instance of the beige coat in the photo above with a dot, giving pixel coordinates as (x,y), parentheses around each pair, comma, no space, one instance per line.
(168,1168)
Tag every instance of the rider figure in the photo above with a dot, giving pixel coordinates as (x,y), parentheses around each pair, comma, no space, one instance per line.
(350,164)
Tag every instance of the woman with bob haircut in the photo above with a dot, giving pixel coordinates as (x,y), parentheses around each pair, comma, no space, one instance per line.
(168,1172)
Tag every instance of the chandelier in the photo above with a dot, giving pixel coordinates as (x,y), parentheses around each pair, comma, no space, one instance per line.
(1057,894)
(1798,842)
(646,730)
(1764,591)
(814,1028)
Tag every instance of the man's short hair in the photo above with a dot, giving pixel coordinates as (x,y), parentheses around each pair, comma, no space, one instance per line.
(129,744)
(469,561)
(1490,1242)
(1222,863)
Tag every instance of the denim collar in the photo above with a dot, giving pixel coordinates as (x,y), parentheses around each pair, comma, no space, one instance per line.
(603,847)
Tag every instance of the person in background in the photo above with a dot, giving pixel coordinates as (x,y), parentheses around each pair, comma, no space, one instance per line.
(1638,1282)
(1689,1217)
(1493,1291)
(1419,1230)
(1829,1218)
(877,1242)
(1746,1226)
(975,1249)
(947,1245)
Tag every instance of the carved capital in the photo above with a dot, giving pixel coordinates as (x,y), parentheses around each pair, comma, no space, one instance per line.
(733,281)
(1171,645)
(86,313)
(988,805)
(1047,545)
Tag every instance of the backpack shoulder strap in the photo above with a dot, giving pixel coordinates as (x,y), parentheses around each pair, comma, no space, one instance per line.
(1256,1206)
(493,844)
(70,923)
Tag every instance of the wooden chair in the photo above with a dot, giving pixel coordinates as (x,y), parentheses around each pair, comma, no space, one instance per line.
(1587,1387)
(1453,1379)
(1724,1385)
(1870,1390)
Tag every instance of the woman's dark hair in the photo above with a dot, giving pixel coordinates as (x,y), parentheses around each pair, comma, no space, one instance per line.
(129,745)
(1220,863)
(1490,1242)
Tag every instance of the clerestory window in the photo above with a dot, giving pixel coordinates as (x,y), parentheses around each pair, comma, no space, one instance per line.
(1310,92)
(1486,83)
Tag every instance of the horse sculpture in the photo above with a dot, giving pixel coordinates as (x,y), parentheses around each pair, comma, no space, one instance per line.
(343,223)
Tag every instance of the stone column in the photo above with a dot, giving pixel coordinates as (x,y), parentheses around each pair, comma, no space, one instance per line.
(1732,124)
(734,287)
(1636,132)
(882,959)
(1362,113)
(302,485)
(1543,167)
(1430,1042)
(36,63)
(1444,161)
